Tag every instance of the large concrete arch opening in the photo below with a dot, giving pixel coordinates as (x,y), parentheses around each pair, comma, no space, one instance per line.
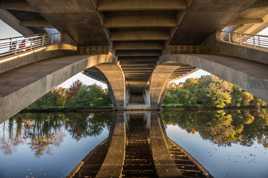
(26,84)
(113,75)
(248,75)
(161,76)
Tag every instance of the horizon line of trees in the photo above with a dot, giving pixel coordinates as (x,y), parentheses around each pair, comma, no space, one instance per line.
(77,96)
(209,91)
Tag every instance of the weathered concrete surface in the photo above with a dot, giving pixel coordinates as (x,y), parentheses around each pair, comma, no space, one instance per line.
(249,75)
(134,5)
(116,80)
(159,80)
(123,25)
(21,87)
(24,58)
(81,19)
(258,10)
(164,165)
(113,163)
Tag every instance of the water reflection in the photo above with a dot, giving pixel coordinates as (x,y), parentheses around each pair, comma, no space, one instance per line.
(42,135)
(224,127)
(229,144)
(52,144)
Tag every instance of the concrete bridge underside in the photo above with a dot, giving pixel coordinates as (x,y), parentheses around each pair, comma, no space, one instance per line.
(21,86)
(144,44)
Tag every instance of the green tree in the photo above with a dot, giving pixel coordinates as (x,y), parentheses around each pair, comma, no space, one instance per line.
(89,96)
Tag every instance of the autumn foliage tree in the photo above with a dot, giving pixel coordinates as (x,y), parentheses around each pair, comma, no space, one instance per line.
(209,91)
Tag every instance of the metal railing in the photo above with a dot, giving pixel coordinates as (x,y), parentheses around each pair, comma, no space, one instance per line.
(16,45)
(248,40)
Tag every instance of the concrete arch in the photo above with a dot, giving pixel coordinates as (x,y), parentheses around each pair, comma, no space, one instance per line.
(22,86)
(161,76)
(251,76)
(115,79)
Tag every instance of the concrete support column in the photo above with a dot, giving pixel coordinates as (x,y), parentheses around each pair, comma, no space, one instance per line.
(159,80)
(116,81)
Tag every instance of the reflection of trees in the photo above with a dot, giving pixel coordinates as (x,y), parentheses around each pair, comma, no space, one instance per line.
(41,131)
(224,127)
(86,125)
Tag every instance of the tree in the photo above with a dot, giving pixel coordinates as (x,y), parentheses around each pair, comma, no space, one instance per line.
(89,96)
(77,96)
(209,91)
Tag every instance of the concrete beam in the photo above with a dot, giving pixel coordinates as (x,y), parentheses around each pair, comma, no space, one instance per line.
(137,5)
(137,71)
(16,5)
(139,35)
(136,76)
(243,20)
(36,23)
(130,68)
(136,83)
(138,65)
(139,60)
(28,57)
(138,53)
(138,21)
(137,45)
(22,86)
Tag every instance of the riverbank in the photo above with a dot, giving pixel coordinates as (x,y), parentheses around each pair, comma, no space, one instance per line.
(163,108)
(208,108)
(93,109)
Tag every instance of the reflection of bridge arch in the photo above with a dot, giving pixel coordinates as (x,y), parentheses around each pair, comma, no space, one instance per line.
(128,152)
(249,75)
(111,74)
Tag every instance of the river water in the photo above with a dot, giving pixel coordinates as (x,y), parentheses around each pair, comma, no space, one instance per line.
(229,144)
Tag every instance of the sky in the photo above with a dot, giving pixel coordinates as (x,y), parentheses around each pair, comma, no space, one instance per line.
(7,32)
(263,32)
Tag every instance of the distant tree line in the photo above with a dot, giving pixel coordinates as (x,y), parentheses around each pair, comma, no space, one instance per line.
(77,96)
(209,91)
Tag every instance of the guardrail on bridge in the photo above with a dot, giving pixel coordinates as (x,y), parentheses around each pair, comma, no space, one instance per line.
(15,45)
(247,40)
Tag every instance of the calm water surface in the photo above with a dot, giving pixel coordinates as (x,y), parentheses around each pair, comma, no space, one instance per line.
(229,144)
(48,145)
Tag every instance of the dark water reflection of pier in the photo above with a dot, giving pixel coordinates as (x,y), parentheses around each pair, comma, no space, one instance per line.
(53,144)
